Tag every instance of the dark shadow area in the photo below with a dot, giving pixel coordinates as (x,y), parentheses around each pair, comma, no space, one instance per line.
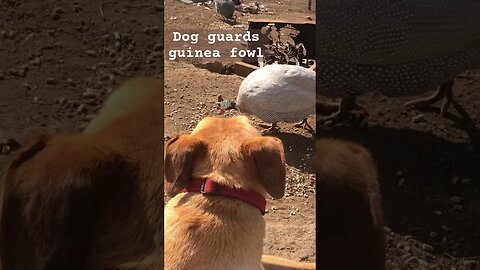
(430,186)
(299,150)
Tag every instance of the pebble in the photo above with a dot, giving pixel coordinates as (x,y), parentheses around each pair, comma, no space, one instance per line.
(26,86)
(81,109)
(116,35)
(91,53)
(418,118)
(77,8)
(456,199)
(12,34)
(51,80)
(158,47)
(465,181)
(61,100)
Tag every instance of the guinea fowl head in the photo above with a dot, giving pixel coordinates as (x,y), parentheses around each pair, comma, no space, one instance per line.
(224,105)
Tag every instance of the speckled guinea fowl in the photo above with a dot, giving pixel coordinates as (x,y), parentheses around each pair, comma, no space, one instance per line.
(398,48)
(276,93)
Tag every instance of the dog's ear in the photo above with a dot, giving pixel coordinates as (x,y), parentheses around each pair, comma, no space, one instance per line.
(180,155)
(269,158)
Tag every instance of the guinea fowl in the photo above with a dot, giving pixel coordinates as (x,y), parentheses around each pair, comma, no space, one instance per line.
(276,93)
(226,8)
(397,48)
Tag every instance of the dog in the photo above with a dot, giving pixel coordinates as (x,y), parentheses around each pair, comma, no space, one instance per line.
(218,177)
(92,200)
(350,233)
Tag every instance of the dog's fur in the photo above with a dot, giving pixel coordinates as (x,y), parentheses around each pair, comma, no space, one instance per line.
(214,232)
(92,200)
(350,234)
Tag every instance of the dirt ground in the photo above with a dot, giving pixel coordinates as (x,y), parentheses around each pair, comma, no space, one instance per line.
(191,94)
(430,177)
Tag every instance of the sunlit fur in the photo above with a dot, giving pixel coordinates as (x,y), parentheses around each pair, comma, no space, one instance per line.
(213,232)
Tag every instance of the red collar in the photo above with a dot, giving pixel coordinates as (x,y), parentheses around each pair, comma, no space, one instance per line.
(208,187)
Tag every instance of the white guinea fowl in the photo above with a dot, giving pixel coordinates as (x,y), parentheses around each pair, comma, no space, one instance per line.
(276,93)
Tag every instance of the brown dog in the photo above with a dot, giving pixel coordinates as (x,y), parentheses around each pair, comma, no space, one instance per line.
(350,234)
(92,200)
(212,231)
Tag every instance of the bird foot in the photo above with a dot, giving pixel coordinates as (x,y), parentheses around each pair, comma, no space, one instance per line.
(304,124)
(343,111)
(334,118)
(444,92)
(273,128)
(429,101)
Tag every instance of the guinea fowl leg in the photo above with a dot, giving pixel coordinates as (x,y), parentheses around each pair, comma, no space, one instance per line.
(273,127)
(344,108)
(304,124)
(444,91)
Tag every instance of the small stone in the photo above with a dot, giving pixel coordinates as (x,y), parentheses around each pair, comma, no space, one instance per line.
(77,7)
(27,38)
(427,248)
(51,80)
(455,180)
(26,86)
(465,181)
(90,93)
(12,72)
(116,35)
(91,53)
(432,234)
(12,34)
(81,109)
(58,10)
(36,61)
(418,118)
(158,47)
(149,60)
(456,199)
(411,259)
(445,228)
(61,101)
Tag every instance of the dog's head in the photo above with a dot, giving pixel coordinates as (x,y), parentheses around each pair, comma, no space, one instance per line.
(229,151)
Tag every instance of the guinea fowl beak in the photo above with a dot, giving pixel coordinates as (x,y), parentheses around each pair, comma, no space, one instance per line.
(220,111)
